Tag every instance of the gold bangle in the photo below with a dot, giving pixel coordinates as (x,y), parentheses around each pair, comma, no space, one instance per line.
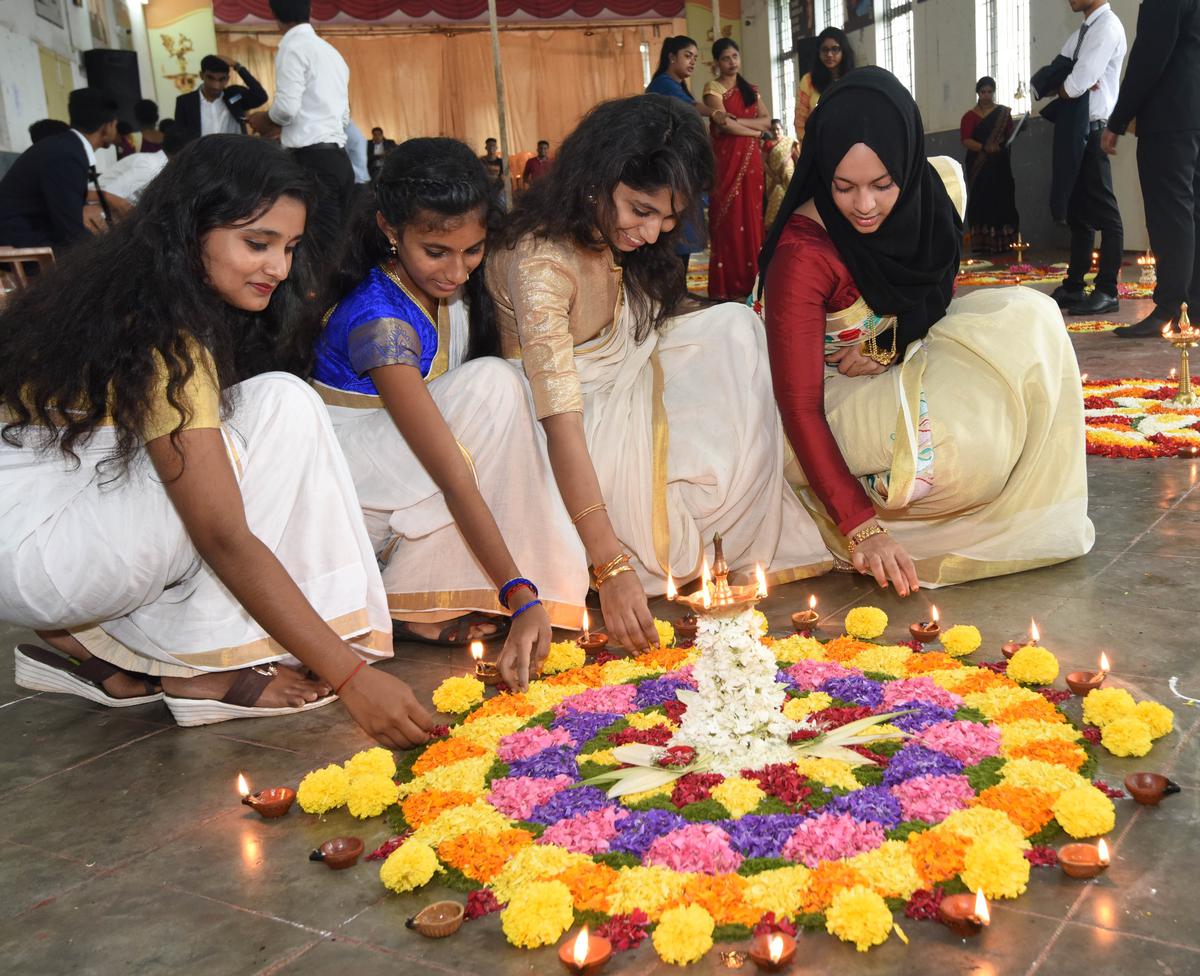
(588,511)
(615,561)
(623,568)
(618,564)
(862,535)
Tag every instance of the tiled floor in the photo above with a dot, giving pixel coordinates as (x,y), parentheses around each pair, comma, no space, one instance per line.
(123,848)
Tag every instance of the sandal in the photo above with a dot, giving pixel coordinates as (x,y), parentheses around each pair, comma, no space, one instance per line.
(237,702)
(457,632)
(41,669)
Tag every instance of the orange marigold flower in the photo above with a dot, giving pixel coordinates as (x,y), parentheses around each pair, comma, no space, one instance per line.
(721,895)
(1030,809)
(827,880)
(482,856)
(982,680)
(939,855)
(667,658)
(444,752)
(589,885)
(843,649)
(502,705)
(422,808)
(1052,751)
(1035,708)
(931,661)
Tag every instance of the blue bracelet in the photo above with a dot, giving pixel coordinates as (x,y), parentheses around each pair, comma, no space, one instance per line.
(531,603)
(511,585)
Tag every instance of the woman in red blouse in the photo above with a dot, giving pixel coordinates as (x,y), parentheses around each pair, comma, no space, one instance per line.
(940,440)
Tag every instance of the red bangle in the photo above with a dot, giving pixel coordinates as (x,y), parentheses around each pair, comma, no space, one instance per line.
(358,667)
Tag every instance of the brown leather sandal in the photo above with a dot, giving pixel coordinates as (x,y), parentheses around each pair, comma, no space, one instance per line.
(457,632)
(238,702)
(41,669)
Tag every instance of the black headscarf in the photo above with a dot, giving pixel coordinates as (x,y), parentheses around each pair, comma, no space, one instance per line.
(905,268)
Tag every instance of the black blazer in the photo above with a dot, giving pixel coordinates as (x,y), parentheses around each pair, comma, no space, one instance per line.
(239,99)
(1162,81)
(43,193)
(1071,124)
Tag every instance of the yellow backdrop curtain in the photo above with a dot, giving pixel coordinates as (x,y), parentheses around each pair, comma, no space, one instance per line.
(443,84)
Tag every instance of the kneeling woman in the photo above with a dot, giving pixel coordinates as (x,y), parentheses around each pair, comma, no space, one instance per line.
(658,413)
(947,445)
(440,436)
(167,514)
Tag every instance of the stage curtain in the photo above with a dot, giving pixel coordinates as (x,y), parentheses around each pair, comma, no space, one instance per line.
(442,84)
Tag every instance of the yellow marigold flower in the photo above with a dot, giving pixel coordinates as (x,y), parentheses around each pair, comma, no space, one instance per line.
(648,720)
(647,887)
(760,619)
(996,867)
(626,669)
(370,794)
(1105,704)
(1040,775)
(1084,811)
(444,752)
(797,648)
(664,790)
(889,869)
(1033,665)
(1127,736)
(883,730)
(377,760)
(1017,734)
(543,697)
(683,935)
(976,823)
(538,914)
(479,817)
(666,633)
(831,772)
(886,660)
(951,679)
(999,698)
(488,732)
(797,708)
(426,807)
(961,640)
(564,655)
(323,790)
(458,695)
(866,623)
(1158,718)
(861,916)
(738,796)
(603,756)
(468,776)
(780,890)
(409,866)
(537,862)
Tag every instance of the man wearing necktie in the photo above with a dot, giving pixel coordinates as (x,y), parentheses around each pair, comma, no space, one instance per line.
(42,196)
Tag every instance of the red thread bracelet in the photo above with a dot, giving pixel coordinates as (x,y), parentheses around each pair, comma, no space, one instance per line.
(358,667)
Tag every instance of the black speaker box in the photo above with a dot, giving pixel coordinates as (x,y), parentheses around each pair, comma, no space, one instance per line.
(115,72)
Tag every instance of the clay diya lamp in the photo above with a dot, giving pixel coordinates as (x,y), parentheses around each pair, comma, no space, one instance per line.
(1011,647)
(964,915)
(268,804)
(926,631)
(1083,860)
(485,671)
(686,626)
(1081,682)
(585,954)
(338,853)
(1149,788)
(806,620)
(773,953)
(592,644)
(438,920)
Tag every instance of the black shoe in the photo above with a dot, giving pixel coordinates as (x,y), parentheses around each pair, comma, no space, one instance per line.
(1150,327)
(1067,296)
(1096,303)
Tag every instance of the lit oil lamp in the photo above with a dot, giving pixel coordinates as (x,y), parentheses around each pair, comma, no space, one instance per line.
(1011,647)
(926,631)
(1019,247)
(586,954)
(1084,860)
(716,594)
(965,915)
(806,620)
(685,626)
(1148,268)
(485,671)
(268,804)
(1183,339)
(1095,268)
(1081,682)
(591,643)
(774,953)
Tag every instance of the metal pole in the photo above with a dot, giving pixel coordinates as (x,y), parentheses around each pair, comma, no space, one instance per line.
(495,29)
(716,14)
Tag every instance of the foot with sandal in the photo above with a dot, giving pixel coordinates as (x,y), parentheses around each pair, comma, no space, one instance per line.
(458,632)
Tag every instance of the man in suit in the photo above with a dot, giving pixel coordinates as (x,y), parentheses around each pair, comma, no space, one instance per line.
(217,106)
(1161,91)
(42,196)
(377,148)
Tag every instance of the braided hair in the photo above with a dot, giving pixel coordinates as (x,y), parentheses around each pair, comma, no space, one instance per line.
(428,181)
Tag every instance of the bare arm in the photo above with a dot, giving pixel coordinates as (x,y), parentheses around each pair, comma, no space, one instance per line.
(973,144)
(202,487)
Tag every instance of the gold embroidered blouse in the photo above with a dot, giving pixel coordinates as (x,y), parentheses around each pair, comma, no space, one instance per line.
(552,296)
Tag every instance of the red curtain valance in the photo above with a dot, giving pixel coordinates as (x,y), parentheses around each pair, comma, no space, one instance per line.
(368,11)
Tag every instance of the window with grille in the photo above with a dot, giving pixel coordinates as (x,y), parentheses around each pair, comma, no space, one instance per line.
(895,33)
(1002,48)
(830,13)
(783,61)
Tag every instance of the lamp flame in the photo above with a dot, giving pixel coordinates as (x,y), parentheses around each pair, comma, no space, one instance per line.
(1102,850)
(1166,330)
(981,908)
(934,613)
(1034,633)
(671,591)
(775,948)
(476,651)
(812,601)
(1105,667)
(761,577)
(580,951)
(243,786)
(586,632)
(1083,377)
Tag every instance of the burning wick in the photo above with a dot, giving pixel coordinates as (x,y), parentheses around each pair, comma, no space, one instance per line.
(1105,667)
(586,631)
(775,948)
(981,908)
(671,591)
(1034,634)
(580,951)
(934,614)
(1102,851)
(243,786)
(761,577)
(477,651)
(812,602)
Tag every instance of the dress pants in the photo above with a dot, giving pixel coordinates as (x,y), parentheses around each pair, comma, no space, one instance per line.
(332,168)
(1169,170)
(1093,207)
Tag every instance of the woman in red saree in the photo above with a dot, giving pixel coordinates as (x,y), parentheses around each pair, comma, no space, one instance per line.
(735,211)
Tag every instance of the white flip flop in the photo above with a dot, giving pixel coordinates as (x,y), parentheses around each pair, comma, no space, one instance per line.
(40,669)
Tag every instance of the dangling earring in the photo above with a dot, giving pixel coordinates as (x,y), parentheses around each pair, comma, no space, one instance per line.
(392,249)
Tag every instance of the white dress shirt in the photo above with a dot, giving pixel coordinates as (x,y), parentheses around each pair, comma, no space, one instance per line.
(216,119)
(130,175)
(87,147)
(312,101)
(1099,62)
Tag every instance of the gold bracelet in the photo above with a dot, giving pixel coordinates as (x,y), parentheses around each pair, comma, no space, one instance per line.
(618,564)
(862,535)
(588,511)
(615,561)
(623,568)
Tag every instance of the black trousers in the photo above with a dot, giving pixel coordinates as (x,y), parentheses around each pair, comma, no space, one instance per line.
(1169,171)
(1093,207)
(332,168)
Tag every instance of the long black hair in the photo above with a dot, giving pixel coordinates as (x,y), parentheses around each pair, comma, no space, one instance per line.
(670,47)
(93,334)
(723,44)
(822,77)
(649,143)
(428,180)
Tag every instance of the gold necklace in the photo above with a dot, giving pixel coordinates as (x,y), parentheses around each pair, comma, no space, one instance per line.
(870,349)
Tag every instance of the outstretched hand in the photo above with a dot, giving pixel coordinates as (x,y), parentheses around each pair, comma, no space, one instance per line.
(627,616)
(526,649)
(884,558)
(386,709)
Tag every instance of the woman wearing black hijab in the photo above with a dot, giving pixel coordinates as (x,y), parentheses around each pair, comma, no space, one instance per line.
(941,439)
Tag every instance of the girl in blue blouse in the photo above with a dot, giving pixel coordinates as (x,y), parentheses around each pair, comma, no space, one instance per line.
(448,461)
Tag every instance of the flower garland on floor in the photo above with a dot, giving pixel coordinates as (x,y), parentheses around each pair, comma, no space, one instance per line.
(1135,418)
(975,771)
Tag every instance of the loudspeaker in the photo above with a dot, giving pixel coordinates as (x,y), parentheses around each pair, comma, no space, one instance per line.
(115,72)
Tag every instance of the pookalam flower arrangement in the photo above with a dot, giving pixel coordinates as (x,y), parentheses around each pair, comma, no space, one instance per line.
(692,794)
